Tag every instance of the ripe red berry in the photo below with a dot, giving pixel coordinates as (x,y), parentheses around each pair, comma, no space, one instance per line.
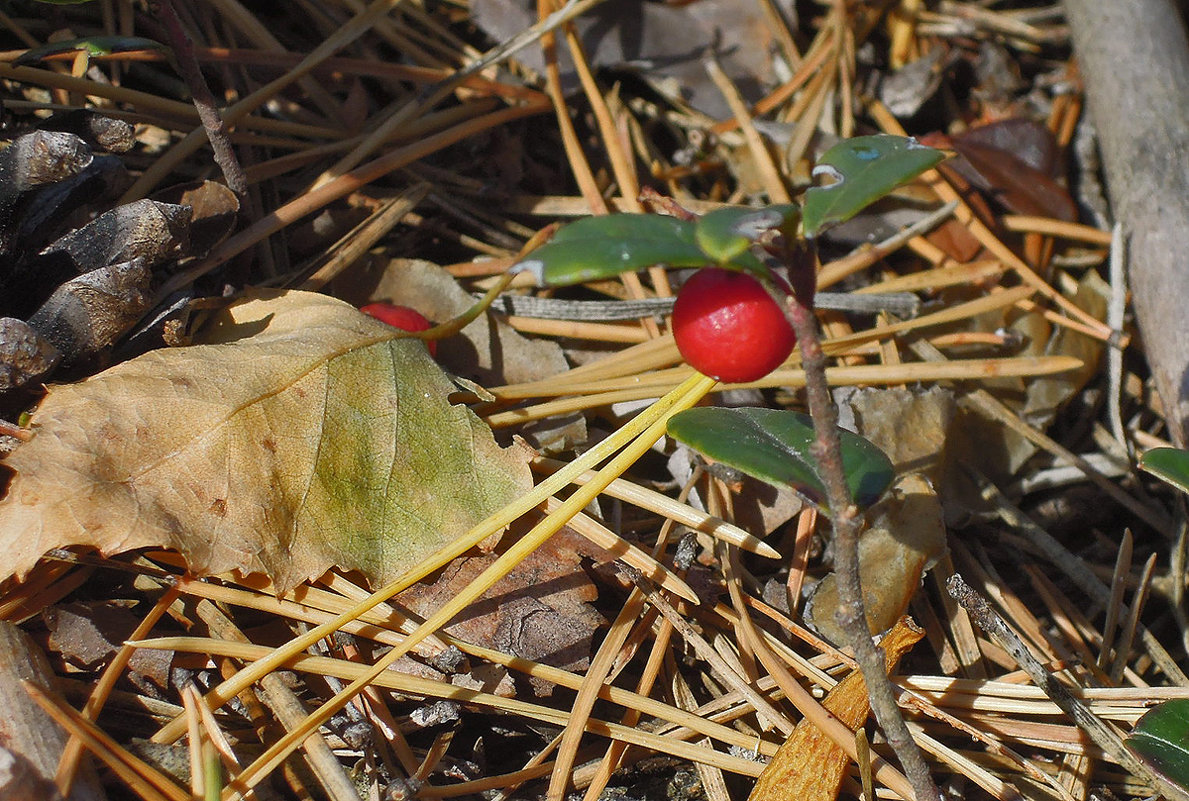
(728,327)
(402,317)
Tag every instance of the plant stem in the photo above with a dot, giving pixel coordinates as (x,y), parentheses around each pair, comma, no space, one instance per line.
(204,101)
(847,522)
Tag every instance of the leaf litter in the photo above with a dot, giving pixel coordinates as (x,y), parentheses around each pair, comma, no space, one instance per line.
(302,447)
(1009,255)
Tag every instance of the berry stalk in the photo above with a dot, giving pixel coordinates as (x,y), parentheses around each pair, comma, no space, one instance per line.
(845,517)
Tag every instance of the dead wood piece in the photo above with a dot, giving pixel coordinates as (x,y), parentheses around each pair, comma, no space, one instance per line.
(27,734)
(1136,85)
(811,767)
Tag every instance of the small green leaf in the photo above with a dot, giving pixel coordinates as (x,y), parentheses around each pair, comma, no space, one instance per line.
(603,247)
(727,234)
(774,445)
(865,169)
(1170,465)
(93,45)
(1161,738)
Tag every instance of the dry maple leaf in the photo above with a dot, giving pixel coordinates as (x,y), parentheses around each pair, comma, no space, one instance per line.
(301,435)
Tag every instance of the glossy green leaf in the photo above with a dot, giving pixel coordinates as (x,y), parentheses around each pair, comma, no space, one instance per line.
(93,45)
(727,234)
(774,446)
(864,169)
(1170,465)
(1161,739)
(603,247)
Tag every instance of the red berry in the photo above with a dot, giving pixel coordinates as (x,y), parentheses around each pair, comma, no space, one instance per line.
(728,327)
(402,317)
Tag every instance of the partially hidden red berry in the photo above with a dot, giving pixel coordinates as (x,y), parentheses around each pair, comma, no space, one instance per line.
(728,327)
(403,317)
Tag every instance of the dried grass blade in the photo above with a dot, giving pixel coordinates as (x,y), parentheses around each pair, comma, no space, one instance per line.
(947,193)
(495,522)
(151,784)
(874,374)
(1123,652)
(68,764)
(653,420)
(1105,737)
(756,146)
(411,685)
(342,36)
(628,553)
(341,187)
(663,505)
(596,676)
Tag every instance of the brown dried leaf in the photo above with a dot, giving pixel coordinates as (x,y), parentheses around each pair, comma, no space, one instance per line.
(88,634)
(487,351)
(910,425)
(303,436)
(539,611)
(906,535)
(1045,395)
(1008,179)
(213,212)
(907,530)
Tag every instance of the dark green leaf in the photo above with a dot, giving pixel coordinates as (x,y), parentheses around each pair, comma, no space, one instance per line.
(603,247)
(1170,465)
(727,234)
(865,169)
(1161,738)
(773,445)
(94,45)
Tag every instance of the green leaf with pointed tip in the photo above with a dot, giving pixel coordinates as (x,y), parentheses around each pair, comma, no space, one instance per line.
(93,45)
(727,234)
(603,247)
(774,445)
(1161,738)
(864,169)
(1170,465)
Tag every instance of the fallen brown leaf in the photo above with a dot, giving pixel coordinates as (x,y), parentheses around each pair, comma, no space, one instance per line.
(304,435)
